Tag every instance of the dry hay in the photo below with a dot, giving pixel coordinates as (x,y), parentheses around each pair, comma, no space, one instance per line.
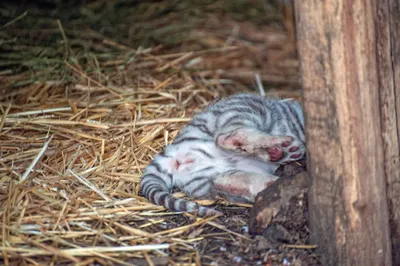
(71,168)
(76,135)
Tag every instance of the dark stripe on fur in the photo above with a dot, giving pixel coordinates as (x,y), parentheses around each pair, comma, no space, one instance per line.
(158,167)
(295,115)
(191,181)
(231,119)
(203,169)
(238,109)
(202,151)
(182,205)
(152,194)
(292,127)
(190,139)
(149,182)
(161,198)
(202,128)
(171,204)
(199,187)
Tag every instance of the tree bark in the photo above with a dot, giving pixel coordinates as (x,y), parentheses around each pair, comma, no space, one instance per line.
(388,60)
(349,60)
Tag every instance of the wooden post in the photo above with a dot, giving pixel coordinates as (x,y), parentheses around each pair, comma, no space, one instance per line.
(350,63)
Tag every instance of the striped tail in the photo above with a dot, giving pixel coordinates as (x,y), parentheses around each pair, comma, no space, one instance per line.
(161,197)
(155,185)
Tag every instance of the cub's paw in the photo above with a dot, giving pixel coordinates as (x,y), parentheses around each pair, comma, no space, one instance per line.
(286,151)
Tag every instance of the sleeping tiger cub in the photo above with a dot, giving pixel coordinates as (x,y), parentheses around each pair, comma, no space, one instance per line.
(231,149)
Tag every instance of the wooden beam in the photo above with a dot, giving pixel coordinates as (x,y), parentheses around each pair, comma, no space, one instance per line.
(350,95)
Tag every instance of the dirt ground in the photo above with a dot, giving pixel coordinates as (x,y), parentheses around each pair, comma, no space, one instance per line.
(91,90)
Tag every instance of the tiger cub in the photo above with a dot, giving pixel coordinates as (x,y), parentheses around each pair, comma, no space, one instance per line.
(231,149)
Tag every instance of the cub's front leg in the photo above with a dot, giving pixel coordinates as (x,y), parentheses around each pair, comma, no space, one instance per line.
(277,149)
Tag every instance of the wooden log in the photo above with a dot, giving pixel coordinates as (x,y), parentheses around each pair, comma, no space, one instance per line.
(350,95)
(270,201)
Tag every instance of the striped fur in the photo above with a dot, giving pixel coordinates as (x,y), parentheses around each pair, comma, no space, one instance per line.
(205,150)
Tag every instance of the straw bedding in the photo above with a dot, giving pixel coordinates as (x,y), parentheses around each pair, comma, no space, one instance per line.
(84,108)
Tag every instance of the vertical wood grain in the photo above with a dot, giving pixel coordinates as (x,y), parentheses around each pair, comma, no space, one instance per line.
(345,59)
